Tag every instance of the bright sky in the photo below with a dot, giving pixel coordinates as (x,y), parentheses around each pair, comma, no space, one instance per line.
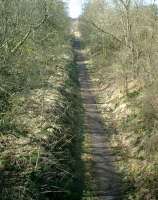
(75,7)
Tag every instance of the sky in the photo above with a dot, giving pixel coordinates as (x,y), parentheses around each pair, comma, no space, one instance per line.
(74,8)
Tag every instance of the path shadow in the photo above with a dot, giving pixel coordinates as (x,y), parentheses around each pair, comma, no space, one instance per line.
(108,181)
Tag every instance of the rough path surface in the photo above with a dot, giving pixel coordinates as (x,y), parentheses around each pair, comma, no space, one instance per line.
(107,181)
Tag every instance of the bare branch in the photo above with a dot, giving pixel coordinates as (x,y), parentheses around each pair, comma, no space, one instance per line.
(103,31)
(21,42)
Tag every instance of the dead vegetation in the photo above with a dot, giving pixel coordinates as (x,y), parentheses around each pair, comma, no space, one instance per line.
(121,43)
(39,103)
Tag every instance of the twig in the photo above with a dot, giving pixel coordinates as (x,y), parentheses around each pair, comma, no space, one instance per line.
(21,42)
(103,31)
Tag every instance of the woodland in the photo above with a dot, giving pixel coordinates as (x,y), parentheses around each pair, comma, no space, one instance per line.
(42,130)
(121,41)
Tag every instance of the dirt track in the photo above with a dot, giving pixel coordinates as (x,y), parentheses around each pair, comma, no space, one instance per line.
(107,181)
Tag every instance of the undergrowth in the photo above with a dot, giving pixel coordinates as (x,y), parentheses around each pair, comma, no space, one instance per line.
(133,136)
(40,141)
